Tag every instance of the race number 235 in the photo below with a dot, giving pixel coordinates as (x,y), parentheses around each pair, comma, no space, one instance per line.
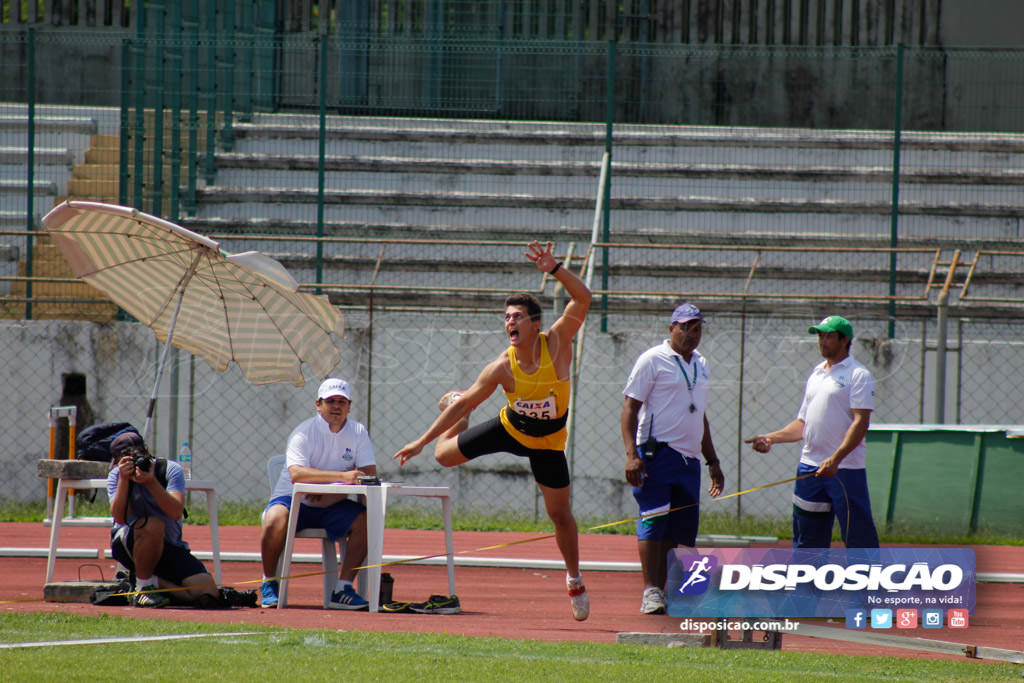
(542,409)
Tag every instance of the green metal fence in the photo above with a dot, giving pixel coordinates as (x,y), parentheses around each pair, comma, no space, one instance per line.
(768,184)
(204,86)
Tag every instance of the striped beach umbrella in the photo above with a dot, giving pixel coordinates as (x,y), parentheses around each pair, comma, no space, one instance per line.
(219,306)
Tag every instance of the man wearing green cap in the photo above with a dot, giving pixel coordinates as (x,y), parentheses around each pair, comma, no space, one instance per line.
(832,422)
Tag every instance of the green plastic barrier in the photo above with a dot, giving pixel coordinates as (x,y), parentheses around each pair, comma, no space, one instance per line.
(958,478)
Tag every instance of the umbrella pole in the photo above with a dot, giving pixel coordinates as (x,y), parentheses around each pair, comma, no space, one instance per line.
(167,347)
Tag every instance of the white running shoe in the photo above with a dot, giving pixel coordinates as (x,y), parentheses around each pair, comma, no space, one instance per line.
(578,598)
(448,399)
(653,602)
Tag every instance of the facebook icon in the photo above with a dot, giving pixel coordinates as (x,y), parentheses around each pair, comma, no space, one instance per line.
(856,618)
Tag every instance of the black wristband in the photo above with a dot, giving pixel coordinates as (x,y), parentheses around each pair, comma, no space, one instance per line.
(709,463)
(555,269)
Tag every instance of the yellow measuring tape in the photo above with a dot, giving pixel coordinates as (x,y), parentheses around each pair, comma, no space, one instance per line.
(593,528)
(409,560)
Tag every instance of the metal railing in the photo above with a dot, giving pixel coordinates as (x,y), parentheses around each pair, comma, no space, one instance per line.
(735,277)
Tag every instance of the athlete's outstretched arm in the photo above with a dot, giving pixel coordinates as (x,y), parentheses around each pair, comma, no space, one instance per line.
(569,323)
(477,393)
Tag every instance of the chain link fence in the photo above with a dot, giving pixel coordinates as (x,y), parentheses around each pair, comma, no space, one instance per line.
(403,363)
(780,184)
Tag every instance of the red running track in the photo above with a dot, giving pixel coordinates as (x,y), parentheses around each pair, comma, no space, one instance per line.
(507,603)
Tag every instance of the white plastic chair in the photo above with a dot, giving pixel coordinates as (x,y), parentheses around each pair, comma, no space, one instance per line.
(330,559)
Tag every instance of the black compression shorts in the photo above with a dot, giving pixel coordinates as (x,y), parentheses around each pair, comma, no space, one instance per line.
(549,467)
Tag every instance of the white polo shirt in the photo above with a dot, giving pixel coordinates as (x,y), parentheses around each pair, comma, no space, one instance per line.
(313,444)
(827,411)
(659,383)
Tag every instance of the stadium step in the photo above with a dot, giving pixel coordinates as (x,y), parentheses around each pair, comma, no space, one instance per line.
(396,181)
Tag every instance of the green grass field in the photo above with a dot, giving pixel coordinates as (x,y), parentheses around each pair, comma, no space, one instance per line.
(299,654)
(273,653)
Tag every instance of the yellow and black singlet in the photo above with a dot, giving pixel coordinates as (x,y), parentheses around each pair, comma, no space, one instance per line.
(538,405)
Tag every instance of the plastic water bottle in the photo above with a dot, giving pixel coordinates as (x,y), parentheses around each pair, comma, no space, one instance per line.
(185,459)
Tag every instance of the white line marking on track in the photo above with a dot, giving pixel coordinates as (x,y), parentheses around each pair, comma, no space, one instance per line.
(129,639)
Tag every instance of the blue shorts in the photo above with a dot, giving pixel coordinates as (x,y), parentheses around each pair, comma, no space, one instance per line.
(176,563)
(672,482)
(818,502)
(336,519)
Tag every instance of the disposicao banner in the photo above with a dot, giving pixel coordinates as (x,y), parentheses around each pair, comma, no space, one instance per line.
(817,582)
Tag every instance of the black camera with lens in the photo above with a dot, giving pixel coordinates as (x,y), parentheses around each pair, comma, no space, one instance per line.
(143,462)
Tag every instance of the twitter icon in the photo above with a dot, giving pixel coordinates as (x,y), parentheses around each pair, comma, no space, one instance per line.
(881,618)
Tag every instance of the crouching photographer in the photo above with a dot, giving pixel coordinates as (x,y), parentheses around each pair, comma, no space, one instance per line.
(147,501)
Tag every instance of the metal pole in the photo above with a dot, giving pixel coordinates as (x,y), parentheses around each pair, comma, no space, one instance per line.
(959,368)
(609,118)
(499,71)
(209,166)
(192,407)
(246,59)
(940,361)
(177,61)
(570,427)
(139,131)
(227,132)
(739,409)
(922,370)
(645,37)
(30,198)
(322,154)
(739,402)
(173,398)
(158,110)
(193,109)
(895,209)
(127,50)
(167,345)
(940,342)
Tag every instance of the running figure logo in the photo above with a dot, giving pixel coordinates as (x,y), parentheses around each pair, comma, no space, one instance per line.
(696,573)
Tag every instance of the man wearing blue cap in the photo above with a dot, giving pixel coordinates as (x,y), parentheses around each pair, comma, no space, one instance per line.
(832,421)
(665,432)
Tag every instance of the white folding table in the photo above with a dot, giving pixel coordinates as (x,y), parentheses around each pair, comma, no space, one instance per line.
(64,485)
(376,509)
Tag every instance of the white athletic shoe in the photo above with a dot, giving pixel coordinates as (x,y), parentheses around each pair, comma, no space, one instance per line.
(653,602)
(448,399)
(578,598)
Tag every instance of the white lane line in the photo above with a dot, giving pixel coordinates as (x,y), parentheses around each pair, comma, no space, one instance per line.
(128,639)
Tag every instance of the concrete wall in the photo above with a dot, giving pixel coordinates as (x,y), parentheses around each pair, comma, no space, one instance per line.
(413,359)
(993,23)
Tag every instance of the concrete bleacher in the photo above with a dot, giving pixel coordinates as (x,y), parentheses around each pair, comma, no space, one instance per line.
(63,140)
(430,205)
(727,188)
(59,142)
(403,171)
